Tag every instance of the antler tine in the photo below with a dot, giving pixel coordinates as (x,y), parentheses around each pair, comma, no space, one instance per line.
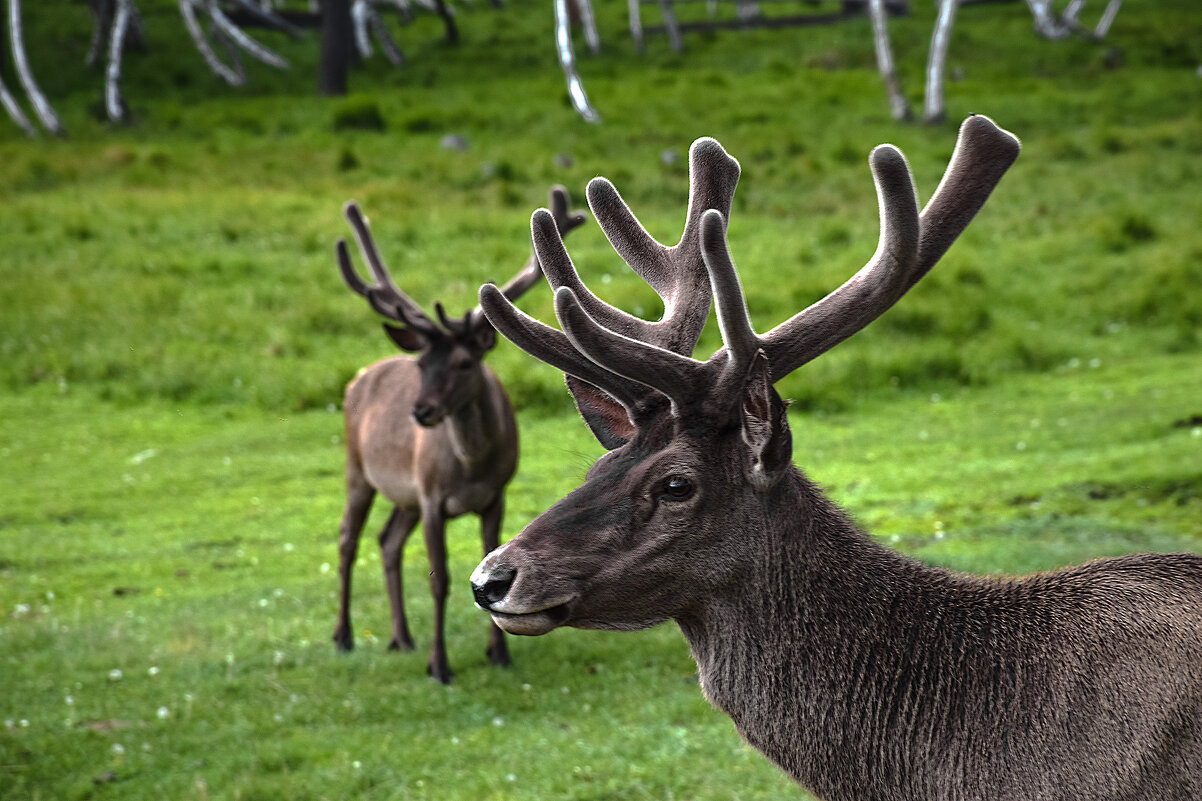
(676,376)
(384,297)
(532,271)
(454,326)
(565,218)
(347,268)
(729,301)
(909,246)
(675,273)
(553,347)
(983,154)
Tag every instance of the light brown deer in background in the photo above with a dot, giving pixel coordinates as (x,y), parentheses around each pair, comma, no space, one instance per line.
(436,436)
(862,673)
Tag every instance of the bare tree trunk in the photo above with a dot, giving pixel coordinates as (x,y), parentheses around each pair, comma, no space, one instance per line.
(1046,23)
(41,106)
(884,60)
(588,21)
(102,10)
(14,111)
(1112,9)
(231,76)
(567,62)
(636,24)
(933,104)
(113,103)
(387,43)
(1071,12)
(448,20)
(671,25)
(336,43)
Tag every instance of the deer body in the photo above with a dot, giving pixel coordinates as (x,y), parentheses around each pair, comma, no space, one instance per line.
(863,674)
(868,676)
(434,435)
(432,473)
(459,466)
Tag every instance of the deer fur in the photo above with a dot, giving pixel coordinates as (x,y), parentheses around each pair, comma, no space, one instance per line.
(435,435)
(862,673)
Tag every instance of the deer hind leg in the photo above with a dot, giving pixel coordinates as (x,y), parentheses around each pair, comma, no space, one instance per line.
(434,529)
(359,496)
(392,551)
(490,529)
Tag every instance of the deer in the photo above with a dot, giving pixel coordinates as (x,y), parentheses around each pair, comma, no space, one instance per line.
(435,435)
(859,671)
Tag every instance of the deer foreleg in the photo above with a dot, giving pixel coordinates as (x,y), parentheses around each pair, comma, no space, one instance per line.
(490,529)
(434,529)
(358,504)
(392,553)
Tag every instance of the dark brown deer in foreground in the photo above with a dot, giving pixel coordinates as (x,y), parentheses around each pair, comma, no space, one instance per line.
(862,673)
(435,435)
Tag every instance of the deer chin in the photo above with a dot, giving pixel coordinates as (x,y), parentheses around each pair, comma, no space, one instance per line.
(532,624)
(429,420)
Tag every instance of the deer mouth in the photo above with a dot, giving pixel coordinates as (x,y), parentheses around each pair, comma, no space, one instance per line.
(427,417)
(532,624)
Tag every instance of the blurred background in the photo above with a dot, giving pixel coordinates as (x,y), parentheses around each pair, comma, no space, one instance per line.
(175,339)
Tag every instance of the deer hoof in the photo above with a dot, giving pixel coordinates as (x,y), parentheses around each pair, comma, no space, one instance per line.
(344,642)
(440,673)
(402,644)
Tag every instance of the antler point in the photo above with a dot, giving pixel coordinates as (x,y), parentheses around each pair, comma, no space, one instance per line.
(711,218)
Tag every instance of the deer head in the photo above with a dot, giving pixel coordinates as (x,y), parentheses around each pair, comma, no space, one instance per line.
(675,513)
(449,350)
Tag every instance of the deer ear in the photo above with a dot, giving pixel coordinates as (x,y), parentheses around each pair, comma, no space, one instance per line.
(406,338)
(765,425)
(606,418)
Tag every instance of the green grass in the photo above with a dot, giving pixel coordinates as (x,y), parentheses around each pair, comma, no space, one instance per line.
(174,339)
(198,545)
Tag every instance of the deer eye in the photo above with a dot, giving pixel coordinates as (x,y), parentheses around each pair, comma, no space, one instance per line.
(678,488)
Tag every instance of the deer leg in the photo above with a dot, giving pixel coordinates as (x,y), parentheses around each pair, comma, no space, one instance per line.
(490,529)
(359,495)
(392,552)
(434,529)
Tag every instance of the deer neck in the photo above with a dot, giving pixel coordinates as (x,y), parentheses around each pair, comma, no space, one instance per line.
(478,429)
(784,651)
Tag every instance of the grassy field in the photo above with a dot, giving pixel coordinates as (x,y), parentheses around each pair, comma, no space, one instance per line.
(174,339)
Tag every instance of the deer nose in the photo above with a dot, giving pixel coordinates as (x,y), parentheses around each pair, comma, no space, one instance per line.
(490,588)
(425,415)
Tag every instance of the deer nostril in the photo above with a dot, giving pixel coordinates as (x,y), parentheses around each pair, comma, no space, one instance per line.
(494,587)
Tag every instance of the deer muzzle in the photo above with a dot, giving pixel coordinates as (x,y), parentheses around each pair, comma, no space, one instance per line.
(427,416)
(493,588)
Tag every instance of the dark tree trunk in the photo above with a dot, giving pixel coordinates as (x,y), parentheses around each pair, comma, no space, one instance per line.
(336,46)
